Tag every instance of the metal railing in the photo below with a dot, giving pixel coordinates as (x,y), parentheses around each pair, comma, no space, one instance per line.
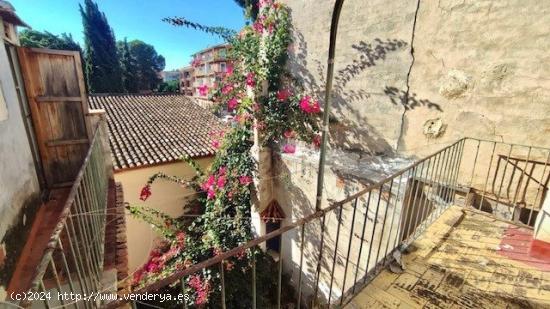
(331,254)
(361,232)
(73,259)
(507,180)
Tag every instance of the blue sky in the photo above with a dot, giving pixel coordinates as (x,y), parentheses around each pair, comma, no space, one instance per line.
(139,19)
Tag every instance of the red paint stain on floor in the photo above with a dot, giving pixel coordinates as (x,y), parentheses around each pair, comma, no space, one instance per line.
(517,244)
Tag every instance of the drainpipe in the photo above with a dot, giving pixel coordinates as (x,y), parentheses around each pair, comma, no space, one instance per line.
(328,96)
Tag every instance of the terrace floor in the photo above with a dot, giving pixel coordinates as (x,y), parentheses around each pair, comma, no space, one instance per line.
(465,259)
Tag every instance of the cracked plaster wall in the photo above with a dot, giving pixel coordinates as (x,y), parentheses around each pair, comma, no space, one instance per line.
(481,67)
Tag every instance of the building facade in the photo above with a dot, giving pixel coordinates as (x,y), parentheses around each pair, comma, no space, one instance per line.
(207,68)
(186,80)
(168,76)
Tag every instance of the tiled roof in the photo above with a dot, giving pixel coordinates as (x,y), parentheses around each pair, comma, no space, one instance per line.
(152,129)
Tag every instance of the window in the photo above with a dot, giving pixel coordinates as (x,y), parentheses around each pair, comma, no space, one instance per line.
(222,53)
(223,67)
(273,244)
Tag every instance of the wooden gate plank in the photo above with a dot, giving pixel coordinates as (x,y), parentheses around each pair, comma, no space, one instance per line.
(57,98)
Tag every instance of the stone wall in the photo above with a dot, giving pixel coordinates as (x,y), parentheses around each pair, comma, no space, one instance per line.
(413,75)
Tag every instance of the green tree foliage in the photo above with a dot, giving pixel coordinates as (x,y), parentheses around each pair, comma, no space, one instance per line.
(222,32)
(171,86)
(128,67)
(101,59)
(37,39)
(250,6)
(149,64)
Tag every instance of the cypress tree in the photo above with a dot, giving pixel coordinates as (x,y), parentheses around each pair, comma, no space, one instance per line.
(101,59)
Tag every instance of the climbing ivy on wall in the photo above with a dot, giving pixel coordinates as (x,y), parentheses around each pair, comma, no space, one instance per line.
(260,95)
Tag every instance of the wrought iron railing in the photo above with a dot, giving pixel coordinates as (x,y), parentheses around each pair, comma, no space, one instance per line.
(360,232)
(331,254)
(507,180)
(73,259)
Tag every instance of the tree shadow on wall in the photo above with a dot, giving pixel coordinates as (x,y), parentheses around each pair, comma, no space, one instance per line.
(409,101)
(356,135)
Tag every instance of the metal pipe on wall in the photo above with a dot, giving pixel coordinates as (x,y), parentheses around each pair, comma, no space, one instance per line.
(328,95)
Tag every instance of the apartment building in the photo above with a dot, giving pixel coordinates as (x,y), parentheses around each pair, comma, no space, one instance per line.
(186,80)
(208,67)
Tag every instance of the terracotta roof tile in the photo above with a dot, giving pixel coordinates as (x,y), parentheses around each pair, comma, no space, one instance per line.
(272,212)
(152,129)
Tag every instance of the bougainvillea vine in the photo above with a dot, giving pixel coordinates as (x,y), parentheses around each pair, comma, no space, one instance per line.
(259,95)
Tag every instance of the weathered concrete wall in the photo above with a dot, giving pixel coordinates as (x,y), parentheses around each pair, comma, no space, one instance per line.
(19,187)
(410,74)
(167,197)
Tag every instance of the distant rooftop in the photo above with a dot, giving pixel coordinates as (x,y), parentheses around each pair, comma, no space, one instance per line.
(223,45)
(153,129)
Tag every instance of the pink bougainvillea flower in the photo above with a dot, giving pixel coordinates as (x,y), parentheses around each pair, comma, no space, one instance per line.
(250,81)
(145,193)
(317,140)
(216,144)
(229,70)
(202,288)
(232,104)
(308,106)
(138,275)
(289,134)
(258,27)
(245,180)
(211,193)
(315,107)
(283,94)
(227,89)
(209,183)
(203,90)
(222,171)
(304,104)
(289,148)
(221,182)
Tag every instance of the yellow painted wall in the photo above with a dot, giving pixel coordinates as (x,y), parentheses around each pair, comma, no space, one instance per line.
(167,197)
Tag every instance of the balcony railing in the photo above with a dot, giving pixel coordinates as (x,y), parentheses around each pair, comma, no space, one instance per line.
(331,254)
(73,259)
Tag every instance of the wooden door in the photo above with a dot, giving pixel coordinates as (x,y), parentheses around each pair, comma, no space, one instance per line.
(56,94)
